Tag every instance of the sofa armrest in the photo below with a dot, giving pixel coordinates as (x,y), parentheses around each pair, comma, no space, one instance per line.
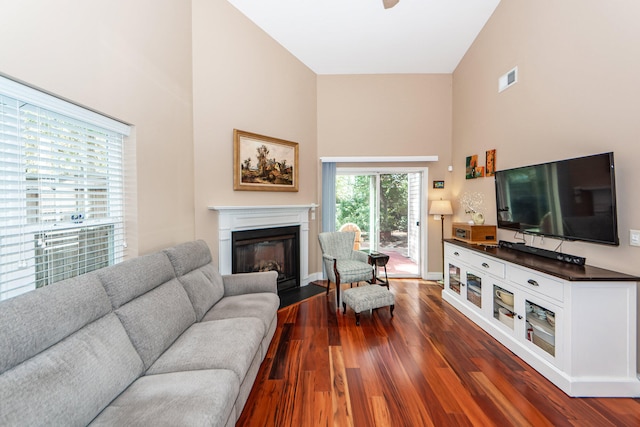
(248,283)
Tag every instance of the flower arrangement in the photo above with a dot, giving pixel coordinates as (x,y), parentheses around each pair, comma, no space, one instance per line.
(472,202)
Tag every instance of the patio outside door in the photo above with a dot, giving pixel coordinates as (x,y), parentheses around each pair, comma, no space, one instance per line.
(385,210)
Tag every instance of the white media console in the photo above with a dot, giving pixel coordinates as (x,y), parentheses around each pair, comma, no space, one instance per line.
(576,325)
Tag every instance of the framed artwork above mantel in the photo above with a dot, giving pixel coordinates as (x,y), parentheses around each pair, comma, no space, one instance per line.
(263,163)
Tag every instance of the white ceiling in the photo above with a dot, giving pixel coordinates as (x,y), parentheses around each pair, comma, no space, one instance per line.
(361,37)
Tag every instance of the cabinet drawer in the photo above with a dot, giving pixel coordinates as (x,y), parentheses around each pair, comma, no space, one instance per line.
(488,265)
(531,281)
(452,252)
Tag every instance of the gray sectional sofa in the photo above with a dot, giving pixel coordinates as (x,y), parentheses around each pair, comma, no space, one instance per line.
(162,339)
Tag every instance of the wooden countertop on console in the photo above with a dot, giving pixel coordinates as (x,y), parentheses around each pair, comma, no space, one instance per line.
(565,271)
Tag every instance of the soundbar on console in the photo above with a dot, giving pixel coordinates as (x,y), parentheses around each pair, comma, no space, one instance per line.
(558,256)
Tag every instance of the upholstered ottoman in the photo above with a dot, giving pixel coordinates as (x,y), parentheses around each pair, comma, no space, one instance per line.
(367,298)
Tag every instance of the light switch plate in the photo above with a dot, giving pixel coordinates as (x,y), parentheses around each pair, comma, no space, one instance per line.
(634,237)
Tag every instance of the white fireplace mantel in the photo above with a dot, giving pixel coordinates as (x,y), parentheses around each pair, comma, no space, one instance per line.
(241,218)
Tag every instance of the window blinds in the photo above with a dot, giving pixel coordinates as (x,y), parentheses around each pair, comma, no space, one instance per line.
(61,190)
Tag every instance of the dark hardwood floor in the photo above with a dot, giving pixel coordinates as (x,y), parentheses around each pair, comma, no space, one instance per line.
(427,366)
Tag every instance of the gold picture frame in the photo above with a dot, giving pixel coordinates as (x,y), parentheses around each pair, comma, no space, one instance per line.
(263,163)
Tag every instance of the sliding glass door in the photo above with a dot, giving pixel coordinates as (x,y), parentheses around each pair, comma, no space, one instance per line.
(384,209)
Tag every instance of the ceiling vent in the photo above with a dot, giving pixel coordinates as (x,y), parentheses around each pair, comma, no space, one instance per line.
(508,79)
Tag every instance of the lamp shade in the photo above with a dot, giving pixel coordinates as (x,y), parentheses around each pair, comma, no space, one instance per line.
(441,207)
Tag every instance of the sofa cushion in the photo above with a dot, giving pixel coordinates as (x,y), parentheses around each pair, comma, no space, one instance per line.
(204,287)
(222,344)
(192,398)
(198,275)
(156,319)
(188,256)
(72,381)
(132,278)
(35,321)
(262,306)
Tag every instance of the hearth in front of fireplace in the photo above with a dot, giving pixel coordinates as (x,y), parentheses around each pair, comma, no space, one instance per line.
(268,249)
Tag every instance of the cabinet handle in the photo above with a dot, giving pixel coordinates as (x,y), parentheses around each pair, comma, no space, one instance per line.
(456,254)
(485,265)
(532,282)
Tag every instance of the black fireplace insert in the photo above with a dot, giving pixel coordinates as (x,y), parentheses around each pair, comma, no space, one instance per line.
(268,249)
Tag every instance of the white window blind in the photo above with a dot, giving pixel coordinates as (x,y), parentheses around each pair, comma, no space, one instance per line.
(61,190)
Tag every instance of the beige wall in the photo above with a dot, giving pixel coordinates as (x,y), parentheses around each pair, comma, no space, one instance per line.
(577,94)
(243,79)
(99,55)
(390,115)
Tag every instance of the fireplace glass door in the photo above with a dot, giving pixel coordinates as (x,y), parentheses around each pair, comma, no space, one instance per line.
(270,249)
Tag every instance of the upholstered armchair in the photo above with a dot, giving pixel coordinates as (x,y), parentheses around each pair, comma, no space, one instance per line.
(341,262)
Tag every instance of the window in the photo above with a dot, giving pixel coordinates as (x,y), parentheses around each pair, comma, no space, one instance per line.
(61,189)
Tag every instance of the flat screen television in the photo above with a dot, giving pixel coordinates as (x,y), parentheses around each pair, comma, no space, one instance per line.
(572,199)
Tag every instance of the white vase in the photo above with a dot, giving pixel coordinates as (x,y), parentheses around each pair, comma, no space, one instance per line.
(478,218)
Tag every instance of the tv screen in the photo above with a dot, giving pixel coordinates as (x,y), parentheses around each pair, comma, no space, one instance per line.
(572,199)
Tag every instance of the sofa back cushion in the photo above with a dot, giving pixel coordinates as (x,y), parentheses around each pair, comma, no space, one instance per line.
(201,279)
(150,302)
(35,321)
(130,279)
(71,382)
(64,355)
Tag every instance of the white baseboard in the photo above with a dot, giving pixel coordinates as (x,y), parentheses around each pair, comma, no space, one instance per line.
(435,276)
(311,278)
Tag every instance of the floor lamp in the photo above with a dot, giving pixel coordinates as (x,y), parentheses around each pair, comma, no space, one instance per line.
(440,208)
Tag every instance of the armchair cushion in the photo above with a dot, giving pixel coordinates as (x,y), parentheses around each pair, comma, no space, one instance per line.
(353,271)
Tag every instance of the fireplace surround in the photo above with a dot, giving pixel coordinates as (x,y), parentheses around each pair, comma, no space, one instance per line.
(243,218)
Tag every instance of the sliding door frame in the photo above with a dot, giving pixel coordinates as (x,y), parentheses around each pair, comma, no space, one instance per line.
(424,190)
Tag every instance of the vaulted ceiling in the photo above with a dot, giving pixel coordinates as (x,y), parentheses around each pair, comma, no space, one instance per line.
(362,37)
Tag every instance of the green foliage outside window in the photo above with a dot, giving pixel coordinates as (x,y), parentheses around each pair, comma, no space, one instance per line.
(393,202)
(352,200)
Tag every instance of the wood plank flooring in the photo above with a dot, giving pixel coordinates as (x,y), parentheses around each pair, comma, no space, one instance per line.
(427,366)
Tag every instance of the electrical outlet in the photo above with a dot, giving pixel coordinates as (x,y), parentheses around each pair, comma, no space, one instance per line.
(634,237)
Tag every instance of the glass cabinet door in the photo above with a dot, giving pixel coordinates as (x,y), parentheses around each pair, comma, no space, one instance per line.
(503,308)
(541,327)
(454,278)
(474,289)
